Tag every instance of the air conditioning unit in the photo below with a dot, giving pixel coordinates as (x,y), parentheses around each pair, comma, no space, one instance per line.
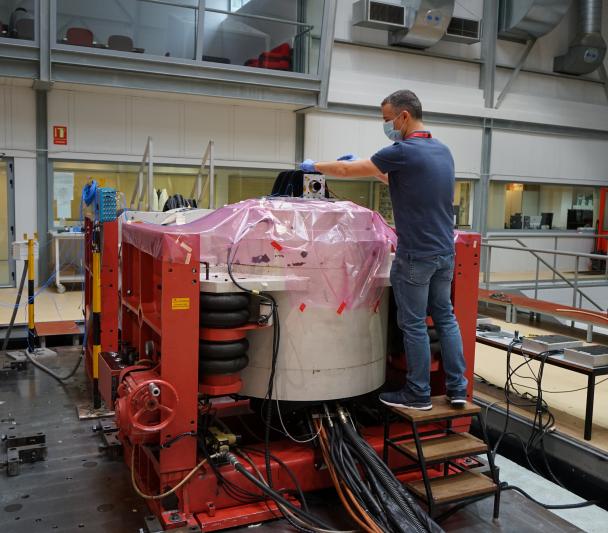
(461,30)
(378,15)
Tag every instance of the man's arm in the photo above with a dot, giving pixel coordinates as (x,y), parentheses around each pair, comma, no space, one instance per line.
(361,168)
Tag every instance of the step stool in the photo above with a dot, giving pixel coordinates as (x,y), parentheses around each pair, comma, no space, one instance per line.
(442,445)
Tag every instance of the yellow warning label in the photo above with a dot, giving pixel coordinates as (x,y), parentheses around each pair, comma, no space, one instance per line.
(180,303)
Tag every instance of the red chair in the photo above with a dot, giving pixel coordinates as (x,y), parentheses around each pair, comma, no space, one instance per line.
(79,37)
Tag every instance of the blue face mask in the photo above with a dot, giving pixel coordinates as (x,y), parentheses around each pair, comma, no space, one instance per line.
(391,132)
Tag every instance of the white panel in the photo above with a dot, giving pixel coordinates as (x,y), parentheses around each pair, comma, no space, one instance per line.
(4,116)
(286,136)
(22,102)
(257,134)
(365,76)
(159,119)
(329,136)
(519,155)
(25,200)
(99,123)
(204,122)
(25,196)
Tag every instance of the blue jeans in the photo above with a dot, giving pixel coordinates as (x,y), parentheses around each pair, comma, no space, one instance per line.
(421,285)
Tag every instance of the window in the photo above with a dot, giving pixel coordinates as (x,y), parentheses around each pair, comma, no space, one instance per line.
(248,183)
(463,194)
(71,177)
(17,19)
(275,34)
(140,26)
(231,184)
(358,192)
(531,206)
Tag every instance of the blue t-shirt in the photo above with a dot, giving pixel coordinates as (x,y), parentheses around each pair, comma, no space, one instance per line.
(421,185)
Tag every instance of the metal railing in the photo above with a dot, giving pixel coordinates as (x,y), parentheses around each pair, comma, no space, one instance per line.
(145,185)
(199,190)
(555,237)
(576,290)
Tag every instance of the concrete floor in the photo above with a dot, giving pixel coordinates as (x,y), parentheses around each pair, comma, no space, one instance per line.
(50,305)
(78,489)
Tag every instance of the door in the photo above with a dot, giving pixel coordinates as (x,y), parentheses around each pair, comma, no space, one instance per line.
(7,224)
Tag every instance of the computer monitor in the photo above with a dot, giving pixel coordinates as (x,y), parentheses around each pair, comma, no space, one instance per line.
(546,220)
(579,218)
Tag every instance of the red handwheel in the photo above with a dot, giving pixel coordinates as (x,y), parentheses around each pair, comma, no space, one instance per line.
(148,397)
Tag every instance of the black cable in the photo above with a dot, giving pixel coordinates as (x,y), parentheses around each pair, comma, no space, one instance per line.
(274,494)
(276,337)
(289,471)
(505,486)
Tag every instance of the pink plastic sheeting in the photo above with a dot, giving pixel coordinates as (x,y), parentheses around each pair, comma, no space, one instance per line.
(340,247)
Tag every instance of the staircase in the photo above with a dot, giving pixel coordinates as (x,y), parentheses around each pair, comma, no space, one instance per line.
(436,444)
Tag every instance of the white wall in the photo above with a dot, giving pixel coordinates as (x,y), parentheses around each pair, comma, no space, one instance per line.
(365,75)
(329,136)
(114,126)
(559,159)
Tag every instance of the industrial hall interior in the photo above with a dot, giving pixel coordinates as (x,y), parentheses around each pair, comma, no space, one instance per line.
(312,266)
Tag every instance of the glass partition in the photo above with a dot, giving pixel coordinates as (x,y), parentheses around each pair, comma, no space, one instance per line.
(539,206)
(17,19)
(270,34)
(231,184)
(463,207)
(165,28)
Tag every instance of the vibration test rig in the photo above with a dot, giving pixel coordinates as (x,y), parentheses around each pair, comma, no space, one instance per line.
(248,348)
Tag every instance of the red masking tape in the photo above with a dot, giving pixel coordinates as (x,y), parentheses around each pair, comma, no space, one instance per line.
(276,245)
(341,308)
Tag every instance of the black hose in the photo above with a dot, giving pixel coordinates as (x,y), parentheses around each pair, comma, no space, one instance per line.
(505,486)
(50,372)
(392,485)
(289,471)
(274,494)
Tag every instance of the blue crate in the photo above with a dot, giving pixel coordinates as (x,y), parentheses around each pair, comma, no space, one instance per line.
(108,207)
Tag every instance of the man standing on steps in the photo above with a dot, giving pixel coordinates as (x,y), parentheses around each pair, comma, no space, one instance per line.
(419,171)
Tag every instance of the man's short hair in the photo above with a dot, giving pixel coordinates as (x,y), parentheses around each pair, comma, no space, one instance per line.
(405,101)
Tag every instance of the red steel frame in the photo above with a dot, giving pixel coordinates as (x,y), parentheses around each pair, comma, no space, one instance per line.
(601,245)
(150,288)
(109,289)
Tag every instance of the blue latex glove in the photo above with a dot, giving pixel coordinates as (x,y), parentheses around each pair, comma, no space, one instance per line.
(348,157)
(308,165)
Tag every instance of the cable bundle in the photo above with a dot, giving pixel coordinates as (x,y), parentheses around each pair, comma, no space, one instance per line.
(543,423)
(378,503)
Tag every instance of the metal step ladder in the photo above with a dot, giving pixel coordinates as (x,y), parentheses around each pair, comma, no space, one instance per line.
(439,444)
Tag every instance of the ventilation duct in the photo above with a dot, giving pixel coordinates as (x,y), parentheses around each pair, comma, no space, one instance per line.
(587,50)
(522,20)
(425,23)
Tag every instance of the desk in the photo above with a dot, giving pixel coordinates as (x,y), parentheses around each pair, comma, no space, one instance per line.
(502,342)
(58,236)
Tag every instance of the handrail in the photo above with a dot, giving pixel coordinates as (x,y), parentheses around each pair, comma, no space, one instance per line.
(535,251)
(547,235)
(198,190)
(142,186)
(546,250)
